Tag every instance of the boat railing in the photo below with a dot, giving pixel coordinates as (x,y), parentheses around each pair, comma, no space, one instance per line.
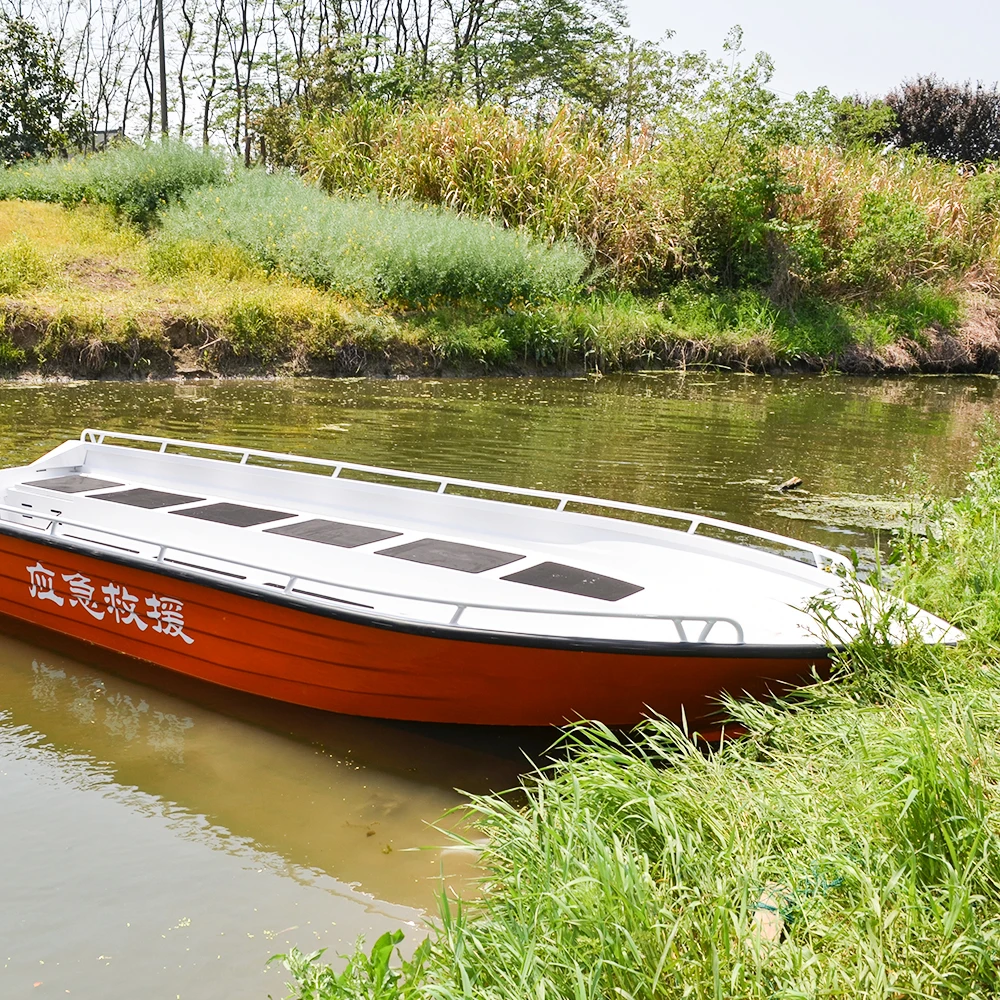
(781,545)
(165,552)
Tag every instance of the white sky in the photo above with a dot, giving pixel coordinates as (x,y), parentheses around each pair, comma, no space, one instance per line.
(850,46)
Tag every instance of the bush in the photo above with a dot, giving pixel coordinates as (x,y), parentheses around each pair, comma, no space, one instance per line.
(380,251)
(559,181)
(890,242)
(136,182)
(21,266)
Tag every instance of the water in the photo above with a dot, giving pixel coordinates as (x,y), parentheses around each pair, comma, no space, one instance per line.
(156,830)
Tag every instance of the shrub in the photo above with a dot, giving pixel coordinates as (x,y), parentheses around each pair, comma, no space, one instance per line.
(381,251)
(136,182)
(559,181)
(890,243)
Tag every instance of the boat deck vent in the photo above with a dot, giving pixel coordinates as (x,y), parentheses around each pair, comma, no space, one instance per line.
(147,499)
(234,514)
(570,580)
(73,484)
(345,536)
(451,555)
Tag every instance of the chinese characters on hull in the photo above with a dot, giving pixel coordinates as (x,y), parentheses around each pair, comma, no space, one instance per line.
(163,614)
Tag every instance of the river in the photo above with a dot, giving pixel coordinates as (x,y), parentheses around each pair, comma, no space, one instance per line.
(164,838)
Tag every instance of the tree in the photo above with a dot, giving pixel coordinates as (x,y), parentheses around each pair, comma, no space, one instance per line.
(859,122)
(952,121)
(37,113)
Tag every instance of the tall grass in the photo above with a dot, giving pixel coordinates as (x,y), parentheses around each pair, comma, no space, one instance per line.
(678,203)
(862,809)
(137,182)
(561,181)
(361,247)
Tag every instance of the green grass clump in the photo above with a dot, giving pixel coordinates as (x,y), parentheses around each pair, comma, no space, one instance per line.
(22,266)
(815,326)
(950,558)
(391,251)
(862,808)
(137,182)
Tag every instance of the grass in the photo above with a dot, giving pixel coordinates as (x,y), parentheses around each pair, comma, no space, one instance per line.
(136,182)
(686,201)
(862,808)
(133,257)
(374,251)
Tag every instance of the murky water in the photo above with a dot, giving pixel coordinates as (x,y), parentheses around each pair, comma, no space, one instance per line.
(158,831)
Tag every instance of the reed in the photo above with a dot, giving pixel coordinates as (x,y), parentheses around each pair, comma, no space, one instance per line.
(863,807)
(675,203)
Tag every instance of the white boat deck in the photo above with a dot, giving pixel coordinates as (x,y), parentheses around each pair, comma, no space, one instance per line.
(412,548)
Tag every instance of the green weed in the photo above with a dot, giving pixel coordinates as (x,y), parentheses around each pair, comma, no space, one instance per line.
(365,974)
(137,182)
(22,266)
(392,251)
(253,330)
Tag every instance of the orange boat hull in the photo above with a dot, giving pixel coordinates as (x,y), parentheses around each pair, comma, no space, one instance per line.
(323,660)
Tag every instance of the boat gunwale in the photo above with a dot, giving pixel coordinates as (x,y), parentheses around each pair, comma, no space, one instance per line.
(820,650)
(818,553)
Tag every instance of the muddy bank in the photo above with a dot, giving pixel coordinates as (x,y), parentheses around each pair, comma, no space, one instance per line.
(38,346)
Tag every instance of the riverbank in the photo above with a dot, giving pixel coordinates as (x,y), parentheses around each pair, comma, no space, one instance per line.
(847,844)
(84,296)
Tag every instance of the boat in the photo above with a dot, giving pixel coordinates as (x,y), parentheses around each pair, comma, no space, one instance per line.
(401,595)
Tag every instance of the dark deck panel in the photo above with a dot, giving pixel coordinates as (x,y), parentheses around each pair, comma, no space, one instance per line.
(570,580)
(345,536)
(73,484)
(451,555)
(235,514)
(147,499)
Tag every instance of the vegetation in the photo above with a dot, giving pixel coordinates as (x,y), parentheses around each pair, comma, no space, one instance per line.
(506,186)
(371,250)
(956,122)
(135,182)
(861,810)
(38,116)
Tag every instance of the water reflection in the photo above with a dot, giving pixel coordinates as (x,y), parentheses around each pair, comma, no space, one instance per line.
(339,795)
(122,717)
(706,443)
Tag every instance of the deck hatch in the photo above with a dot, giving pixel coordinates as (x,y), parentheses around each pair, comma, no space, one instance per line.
(235,514)
(73,484)
(451,555)
(345,536)
(570,580)
(147,499)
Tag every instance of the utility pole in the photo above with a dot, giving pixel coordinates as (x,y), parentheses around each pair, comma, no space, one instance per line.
(163,69)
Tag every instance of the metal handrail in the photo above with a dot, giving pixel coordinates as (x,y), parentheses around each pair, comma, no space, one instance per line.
(710,621)
(694,521)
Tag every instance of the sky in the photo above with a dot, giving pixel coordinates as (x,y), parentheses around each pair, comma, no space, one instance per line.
(850,46)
